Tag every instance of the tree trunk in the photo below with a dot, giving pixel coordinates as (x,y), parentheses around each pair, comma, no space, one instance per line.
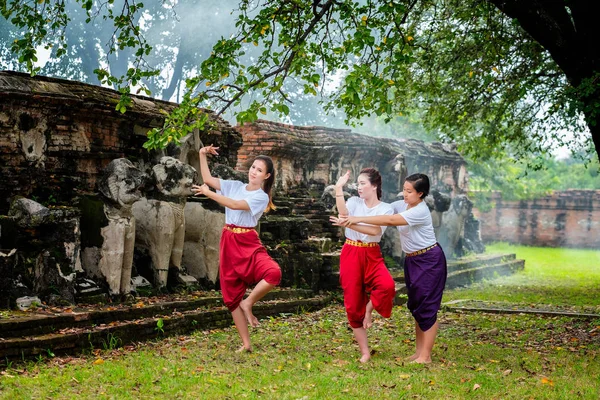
(176,77)
(89,60)
(593,123)
(568,30)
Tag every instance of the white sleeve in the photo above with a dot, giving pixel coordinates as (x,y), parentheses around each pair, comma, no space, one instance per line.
(257,202)
(398,206)
(351,205)
(227,186)
(388,211)
(416,216)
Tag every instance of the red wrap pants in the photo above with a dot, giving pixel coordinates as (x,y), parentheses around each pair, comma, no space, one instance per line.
(243,262)
(364,276)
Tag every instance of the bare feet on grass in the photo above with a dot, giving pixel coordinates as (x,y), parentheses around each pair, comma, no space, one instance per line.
(247,310)
(413,357)
(365,358)
(422,360)
(244,349)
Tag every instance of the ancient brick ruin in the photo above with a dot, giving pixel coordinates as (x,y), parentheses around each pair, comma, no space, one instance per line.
(563,219)
(316,156)
(57,137)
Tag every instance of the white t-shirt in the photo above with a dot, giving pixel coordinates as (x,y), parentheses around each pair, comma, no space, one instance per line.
(356,206)
(419,233)
(257,201)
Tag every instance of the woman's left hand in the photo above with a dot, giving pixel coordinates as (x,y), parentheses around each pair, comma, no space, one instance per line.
(202,189)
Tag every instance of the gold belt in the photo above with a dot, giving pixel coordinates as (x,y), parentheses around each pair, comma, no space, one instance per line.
(236,229)
(416,253)
(361,244)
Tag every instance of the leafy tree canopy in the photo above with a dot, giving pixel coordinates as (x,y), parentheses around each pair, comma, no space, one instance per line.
(488,74)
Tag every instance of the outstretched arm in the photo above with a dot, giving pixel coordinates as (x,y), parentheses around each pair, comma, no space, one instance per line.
(219,198)
(381,220)
(207,178)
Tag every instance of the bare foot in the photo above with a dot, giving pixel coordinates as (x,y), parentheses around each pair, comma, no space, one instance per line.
(244,349)
(413,357)
(420,360)
(368,321)
(365,358)
(247,310)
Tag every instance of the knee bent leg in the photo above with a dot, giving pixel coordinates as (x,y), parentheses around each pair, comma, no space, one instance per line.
(273,276)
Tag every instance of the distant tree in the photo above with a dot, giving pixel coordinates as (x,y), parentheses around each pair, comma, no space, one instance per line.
(87,50)
(519,181)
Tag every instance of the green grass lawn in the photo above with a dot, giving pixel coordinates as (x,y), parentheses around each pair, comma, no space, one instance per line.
(313,356)
(565,277)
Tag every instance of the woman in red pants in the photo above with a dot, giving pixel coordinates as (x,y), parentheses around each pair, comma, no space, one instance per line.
(425,266)
(365,280)
(243,260)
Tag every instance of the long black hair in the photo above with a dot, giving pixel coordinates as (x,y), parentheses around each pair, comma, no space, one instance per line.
(268,183)
(420,182)
(374,178)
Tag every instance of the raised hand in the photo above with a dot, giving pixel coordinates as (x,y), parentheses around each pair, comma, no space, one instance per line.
(200,189)
(210,149)
(343,179)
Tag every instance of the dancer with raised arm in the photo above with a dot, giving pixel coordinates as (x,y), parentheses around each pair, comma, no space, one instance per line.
(243,260)
(425,266)
(365,280)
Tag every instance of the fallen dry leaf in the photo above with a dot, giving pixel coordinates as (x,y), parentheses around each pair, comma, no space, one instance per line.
(476,386)
(546,381)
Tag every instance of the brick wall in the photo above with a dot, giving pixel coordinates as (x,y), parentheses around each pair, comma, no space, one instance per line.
(563,219)
(318,155)
(56,136)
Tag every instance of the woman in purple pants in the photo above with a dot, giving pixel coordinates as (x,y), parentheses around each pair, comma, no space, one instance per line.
(425,264)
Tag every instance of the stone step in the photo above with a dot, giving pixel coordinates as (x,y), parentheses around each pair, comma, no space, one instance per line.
(108,336)
(465,277)
(462,264)
(481,260)
(469,276)
(281,210)
(331,261)
(37,324)
(315,215)
(401,292)
(398,275)
(463,305)
(324,244)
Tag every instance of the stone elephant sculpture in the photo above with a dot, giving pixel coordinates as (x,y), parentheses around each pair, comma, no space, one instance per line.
(120,187)
(453,222)
(161,220)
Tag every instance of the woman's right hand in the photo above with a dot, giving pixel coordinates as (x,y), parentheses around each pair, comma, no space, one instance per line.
(343,179)
(209,150)
(343,220)
(200,189)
